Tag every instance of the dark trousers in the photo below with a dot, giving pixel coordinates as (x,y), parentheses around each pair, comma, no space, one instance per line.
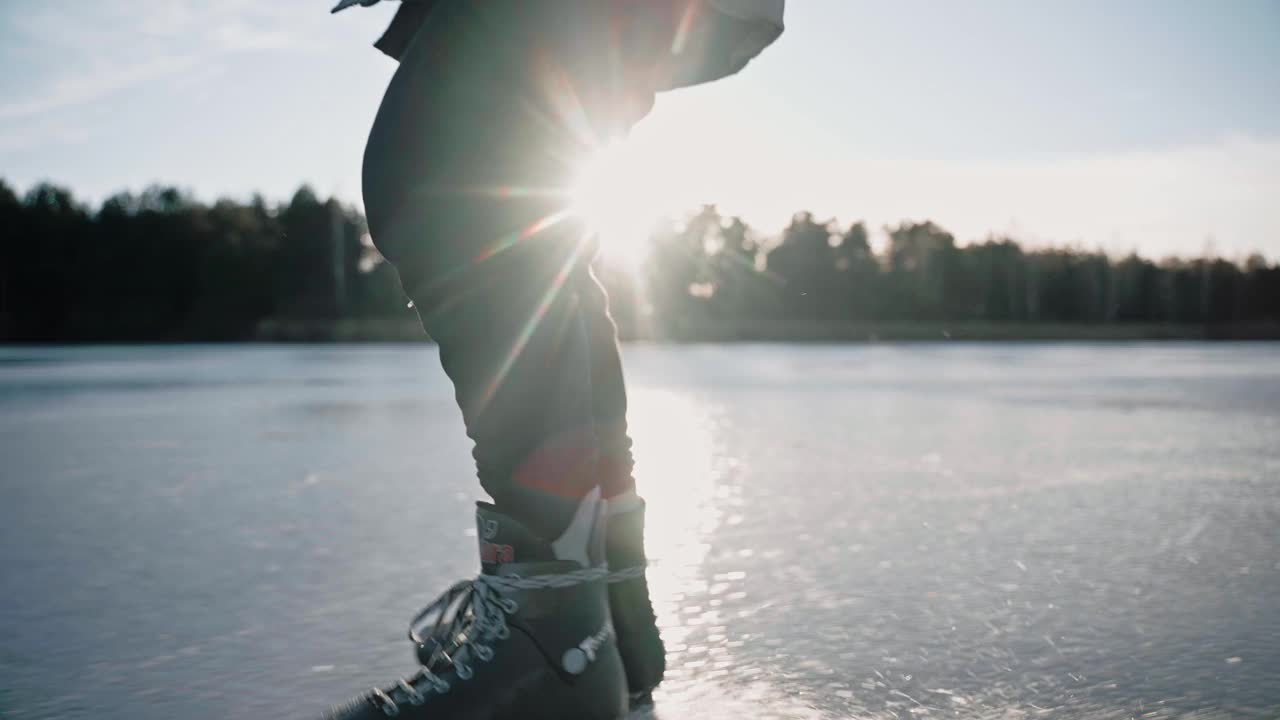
(464,172)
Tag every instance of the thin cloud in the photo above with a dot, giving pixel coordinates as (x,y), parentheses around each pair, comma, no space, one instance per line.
(114,47)
(105,79)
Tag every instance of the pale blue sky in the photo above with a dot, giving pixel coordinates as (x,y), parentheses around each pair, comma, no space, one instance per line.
(1118,124)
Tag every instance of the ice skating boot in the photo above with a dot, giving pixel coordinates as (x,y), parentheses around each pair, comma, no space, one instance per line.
(639,644)
(530,638)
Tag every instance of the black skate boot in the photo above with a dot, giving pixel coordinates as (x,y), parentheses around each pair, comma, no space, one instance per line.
(530,638)
(639,644)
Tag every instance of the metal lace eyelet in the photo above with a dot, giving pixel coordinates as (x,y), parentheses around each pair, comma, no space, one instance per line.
(510,606)
(385,703)
(502,633)
(464,670)
(484,652)
(415,697)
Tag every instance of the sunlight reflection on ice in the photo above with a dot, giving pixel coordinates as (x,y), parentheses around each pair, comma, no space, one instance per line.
(755,700)
(674,454)
(678,464)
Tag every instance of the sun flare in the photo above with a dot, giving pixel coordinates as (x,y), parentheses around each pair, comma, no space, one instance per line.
(614,192)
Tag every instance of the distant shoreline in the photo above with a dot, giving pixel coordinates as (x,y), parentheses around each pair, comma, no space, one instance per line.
(388,330)
(802,331)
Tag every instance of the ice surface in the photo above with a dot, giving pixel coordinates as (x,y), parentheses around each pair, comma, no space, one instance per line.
(961,531)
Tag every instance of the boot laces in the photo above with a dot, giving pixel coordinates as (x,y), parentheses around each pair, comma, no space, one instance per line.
(630,572)
(463,624)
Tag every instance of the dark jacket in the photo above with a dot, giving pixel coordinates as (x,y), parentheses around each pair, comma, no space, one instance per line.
(718,44)
(403,27)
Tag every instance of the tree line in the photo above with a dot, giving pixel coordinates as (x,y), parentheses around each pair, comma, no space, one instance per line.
(162,266)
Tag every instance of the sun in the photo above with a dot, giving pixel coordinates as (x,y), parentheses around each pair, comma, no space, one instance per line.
(614,192)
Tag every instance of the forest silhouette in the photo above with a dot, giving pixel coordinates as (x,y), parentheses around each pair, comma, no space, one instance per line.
(162,266)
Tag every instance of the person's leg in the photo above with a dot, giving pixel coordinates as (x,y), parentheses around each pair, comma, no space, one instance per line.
(494,282)
(513,339)
(490,265)
(642,650)
(608,392)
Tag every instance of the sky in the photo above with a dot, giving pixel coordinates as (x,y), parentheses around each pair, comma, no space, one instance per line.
(1148,125)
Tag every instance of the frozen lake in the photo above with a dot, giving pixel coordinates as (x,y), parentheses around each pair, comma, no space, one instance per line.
(934,530)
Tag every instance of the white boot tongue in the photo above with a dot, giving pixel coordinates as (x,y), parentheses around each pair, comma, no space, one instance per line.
(576,540)
(504,539)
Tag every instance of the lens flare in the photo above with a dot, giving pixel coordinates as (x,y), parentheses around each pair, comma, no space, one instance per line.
(614,194)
